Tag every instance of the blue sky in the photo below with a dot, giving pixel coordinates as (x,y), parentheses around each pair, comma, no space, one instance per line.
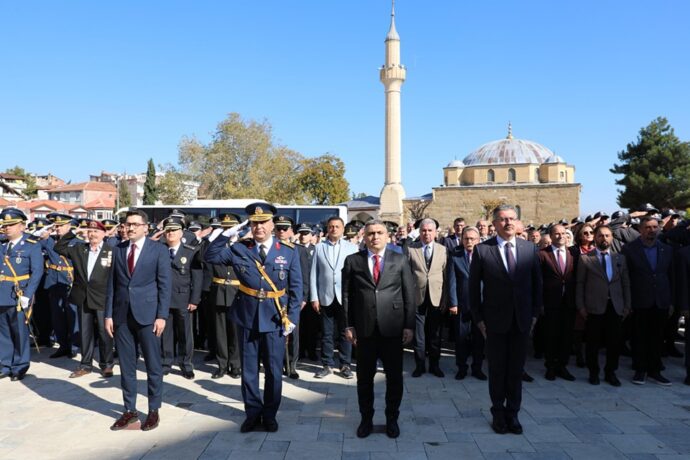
(88,86)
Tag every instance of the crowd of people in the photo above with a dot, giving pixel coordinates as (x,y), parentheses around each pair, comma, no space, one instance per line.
(269,292)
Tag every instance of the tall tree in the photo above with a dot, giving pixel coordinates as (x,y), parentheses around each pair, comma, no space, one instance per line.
(124,198)
(655,169)
(172,186)
(323,180)
(31,188)
(150,191)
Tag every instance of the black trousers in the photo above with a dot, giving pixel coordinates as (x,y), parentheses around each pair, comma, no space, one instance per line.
(292,348)
(469,341)
(177,341)
(310,329)
(333,324)
(427,334)
(64,317)
(506,354)
(390,351)
(227,347)
(647,338)
(91,329)
(603,331)
(558,324)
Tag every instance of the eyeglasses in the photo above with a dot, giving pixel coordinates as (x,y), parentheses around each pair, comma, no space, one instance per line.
(588,233)
(132,225)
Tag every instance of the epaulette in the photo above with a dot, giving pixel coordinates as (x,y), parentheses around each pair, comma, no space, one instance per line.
(29,240)
(248,243)
(189,246)
(287,244)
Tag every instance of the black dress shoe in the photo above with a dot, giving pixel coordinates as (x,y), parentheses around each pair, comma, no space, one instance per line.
(235,373)
(392,428)
(166,371)
(365,428)
(271,425)
(218,374)
(61,353)
(189,375)
(17,377)
(250,424)
(594,379)
(293,374)
(499,425)
(479,375)
(513,425)
(526,377)
(460,375)
(550,375)
(418,371)
(611,378)
(565,375)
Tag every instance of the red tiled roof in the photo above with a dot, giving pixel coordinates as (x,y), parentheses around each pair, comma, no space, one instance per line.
(52,204)
(100,203)
(93,186)
(4,203)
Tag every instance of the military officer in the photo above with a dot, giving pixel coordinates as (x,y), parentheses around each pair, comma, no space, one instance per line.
(21,268)
(59,278)
(222,290)
(42,327)
(111,232)
(309,321)
(177,340)
(265,309)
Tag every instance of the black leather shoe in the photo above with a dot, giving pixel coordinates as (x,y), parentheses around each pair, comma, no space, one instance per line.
(479,375)
(61,353)
(565,375)
(365,428)
(271,425)
(189,375)
(17,377)
(392,428)
(526,377)
(550,375)
(612,379)
(513,425)
(125,420)
(594,379)
(250,424)
(499,425)
(235,373)
(460,375)
(292,373)
(218,374)
(436,371)
(418,371)
(166,371)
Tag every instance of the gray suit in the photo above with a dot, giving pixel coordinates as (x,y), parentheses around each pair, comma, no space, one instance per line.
(325,286)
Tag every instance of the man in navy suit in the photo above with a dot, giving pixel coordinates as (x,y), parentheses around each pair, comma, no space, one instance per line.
(270,278)
(506,299)
(453,241)
(136,307)
(468,338)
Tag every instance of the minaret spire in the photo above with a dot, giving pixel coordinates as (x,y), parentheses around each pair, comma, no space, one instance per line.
(392,33)
(510,131)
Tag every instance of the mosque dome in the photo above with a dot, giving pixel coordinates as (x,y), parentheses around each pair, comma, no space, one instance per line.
(509,151)
(456,164)
(554,159)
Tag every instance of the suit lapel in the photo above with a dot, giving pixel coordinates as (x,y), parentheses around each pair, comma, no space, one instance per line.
(496,251)
(364,266)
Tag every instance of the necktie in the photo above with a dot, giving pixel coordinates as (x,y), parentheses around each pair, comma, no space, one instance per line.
(510,259)
(172,253)
(9,248)
(377,268)
(427,255)
(469,257)
(561,261)
(262,253)
(130,257)
(603,264)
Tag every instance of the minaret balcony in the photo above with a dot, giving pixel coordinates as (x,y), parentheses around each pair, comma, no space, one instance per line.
(394,72)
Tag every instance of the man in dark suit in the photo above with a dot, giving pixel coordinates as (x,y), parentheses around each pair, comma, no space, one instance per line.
(558,266)
(506,299)
(309,321)
(92,264)
(683,296)
(136,307)
(378,300)
(264,310)
(453,241)
(178,338)
(468,339)
(652,284)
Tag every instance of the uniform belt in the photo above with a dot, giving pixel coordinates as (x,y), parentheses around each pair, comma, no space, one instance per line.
(14,279)
(261,294)
(60,268)
(226,282)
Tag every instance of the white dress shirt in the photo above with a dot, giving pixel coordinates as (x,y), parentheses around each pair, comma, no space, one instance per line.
(140,246)
(93,258)
(370,260)
(501,247)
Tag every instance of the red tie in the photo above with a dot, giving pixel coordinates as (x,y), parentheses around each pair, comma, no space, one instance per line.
(561,262)
(377,268)
(130,257)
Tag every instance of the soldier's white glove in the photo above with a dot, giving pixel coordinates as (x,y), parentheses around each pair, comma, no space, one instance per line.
(24,302)
(214,234)
(230,232)
(39,233)
(289,330)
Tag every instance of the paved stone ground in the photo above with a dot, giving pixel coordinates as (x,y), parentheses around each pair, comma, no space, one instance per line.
(50,416)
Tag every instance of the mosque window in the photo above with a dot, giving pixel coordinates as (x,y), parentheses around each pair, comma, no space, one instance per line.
(519,211)
(562,175)
(511,175)
(490,176)
(536,174)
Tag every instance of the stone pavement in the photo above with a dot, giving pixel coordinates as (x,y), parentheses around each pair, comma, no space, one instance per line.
(50,416)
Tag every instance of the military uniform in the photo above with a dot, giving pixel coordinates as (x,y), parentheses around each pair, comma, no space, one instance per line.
(41,317)
(267,275)
(21,268)
(309,322)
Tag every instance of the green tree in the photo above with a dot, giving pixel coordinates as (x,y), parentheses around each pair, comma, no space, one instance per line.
(31,187)
(124,198)
(171,186)
(655,169)
(357,196)
(242,160)
(150,191)
(323,180)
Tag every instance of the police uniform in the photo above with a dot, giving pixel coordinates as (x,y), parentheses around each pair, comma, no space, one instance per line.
(223,286)
(21,268)
(177,340)
(309,321)
(268,276)
(59,278)
(41,317)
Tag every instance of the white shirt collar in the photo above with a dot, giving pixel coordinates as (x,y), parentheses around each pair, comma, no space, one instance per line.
(380,254)
(502,242)
(139,242)
(267,244)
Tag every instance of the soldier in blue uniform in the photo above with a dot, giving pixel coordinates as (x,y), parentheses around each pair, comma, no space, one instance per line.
(270,279)
(21,268)
(59,278)
(41,317)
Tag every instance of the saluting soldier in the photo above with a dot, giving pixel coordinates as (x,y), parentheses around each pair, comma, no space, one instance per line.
(41,317)
(265,309)
(178,339)
(222,290)
(111,232)
(309,321)
(21,268)
(59,279)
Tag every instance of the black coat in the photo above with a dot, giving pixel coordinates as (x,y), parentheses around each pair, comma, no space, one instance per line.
(650,288)
(186,277)
(87,292)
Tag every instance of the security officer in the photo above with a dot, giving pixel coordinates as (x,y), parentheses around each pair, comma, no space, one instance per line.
(111,232)
(178,339)
(222,290)
(59,277)
(21,268)
(309,322)
(265,309)
(206,325)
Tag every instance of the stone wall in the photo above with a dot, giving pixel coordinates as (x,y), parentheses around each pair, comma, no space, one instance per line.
(538,204)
